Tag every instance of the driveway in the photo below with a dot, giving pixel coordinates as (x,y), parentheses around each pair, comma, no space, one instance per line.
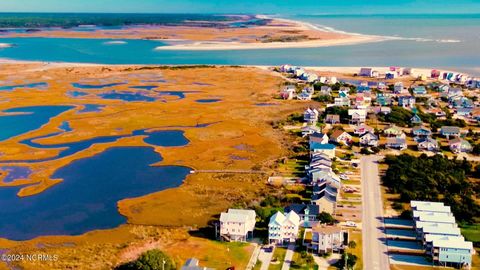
(375,252)
(265,258)
(288,257)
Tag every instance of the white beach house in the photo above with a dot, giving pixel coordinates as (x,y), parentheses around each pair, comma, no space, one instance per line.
(283,229)
(237,225)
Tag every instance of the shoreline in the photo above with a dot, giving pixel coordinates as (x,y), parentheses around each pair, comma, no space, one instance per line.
(335,69)
(349,39)
(220,46)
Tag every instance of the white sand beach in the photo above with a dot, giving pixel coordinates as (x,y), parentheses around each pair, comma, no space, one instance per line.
(348,39)
(206,46)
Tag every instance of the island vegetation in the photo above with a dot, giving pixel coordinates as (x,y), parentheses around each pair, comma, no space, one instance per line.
(436,178)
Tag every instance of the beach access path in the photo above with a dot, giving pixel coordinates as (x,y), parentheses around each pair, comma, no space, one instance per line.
(375,251)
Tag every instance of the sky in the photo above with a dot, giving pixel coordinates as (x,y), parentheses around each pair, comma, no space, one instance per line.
(245,6)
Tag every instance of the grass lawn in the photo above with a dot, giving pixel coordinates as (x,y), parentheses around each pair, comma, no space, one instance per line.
(279,255)
(293,167)
(297,258)
(356,235)
(351,182)
(472,233)
(351,195)
(350,202)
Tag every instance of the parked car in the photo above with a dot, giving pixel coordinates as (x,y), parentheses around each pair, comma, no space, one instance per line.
(350,224)
(344,176)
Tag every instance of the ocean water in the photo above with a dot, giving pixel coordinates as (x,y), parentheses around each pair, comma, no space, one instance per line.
(436,41)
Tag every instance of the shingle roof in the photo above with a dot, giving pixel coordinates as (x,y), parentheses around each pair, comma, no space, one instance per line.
(300,209)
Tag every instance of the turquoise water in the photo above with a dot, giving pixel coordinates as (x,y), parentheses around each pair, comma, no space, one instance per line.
(40,85)
(26,119)
(155,138)
(419,41)
(87,198)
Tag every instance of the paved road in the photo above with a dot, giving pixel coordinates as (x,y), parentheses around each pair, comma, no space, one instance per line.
(375,256)
(288,257)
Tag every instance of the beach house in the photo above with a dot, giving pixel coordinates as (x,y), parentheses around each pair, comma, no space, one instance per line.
(341,137)
(342,101)
(325,194)
(237,225)
(459,145)
(306,93)
(332,119)
(327,148)
(416,120)
(427,144)
(325,90)
(368,72)
(406,101)
(421,131)
(450,131)
(288,92)
(308,213)
(369,139)
(396,143)
(318,137)
(362,129)
(310,116)
(194,264)
(419,90)
(283,229)
(323,239)
(357,116)
(394,132)
(436,228)
(398,88)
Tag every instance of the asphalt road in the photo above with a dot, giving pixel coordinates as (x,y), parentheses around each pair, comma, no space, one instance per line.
(375,255)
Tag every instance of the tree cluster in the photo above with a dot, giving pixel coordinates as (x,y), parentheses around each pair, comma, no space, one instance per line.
(435,178)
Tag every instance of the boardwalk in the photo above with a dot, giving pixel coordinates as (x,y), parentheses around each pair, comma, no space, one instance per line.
(229,171)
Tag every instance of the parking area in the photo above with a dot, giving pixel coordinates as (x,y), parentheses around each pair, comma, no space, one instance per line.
(406,246)
(413,260)
(400,234)
(398,223)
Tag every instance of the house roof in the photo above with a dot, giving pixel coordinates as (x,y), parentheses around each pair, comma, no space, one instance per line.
(320,146)
(431,237)
(396,141)
(439,229)
(417,213)
(394,130)
(237,215)
(458,244)
(420,224)
(293,217)
(436,217)
(337,133)
(330,117)
(369,134)
(363,126)
(323,229)
(277,218)
(421,128)
(430,206)
(300,209)
(450,129)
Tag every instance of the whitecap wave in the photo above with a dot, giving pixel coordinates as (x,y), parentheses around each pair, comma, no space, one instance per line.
(333,30)
(5,45)
(115,42)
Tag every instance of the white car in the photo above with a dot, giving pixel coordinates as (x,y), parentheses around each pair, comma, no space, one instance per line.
(344,176)
(350,224)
